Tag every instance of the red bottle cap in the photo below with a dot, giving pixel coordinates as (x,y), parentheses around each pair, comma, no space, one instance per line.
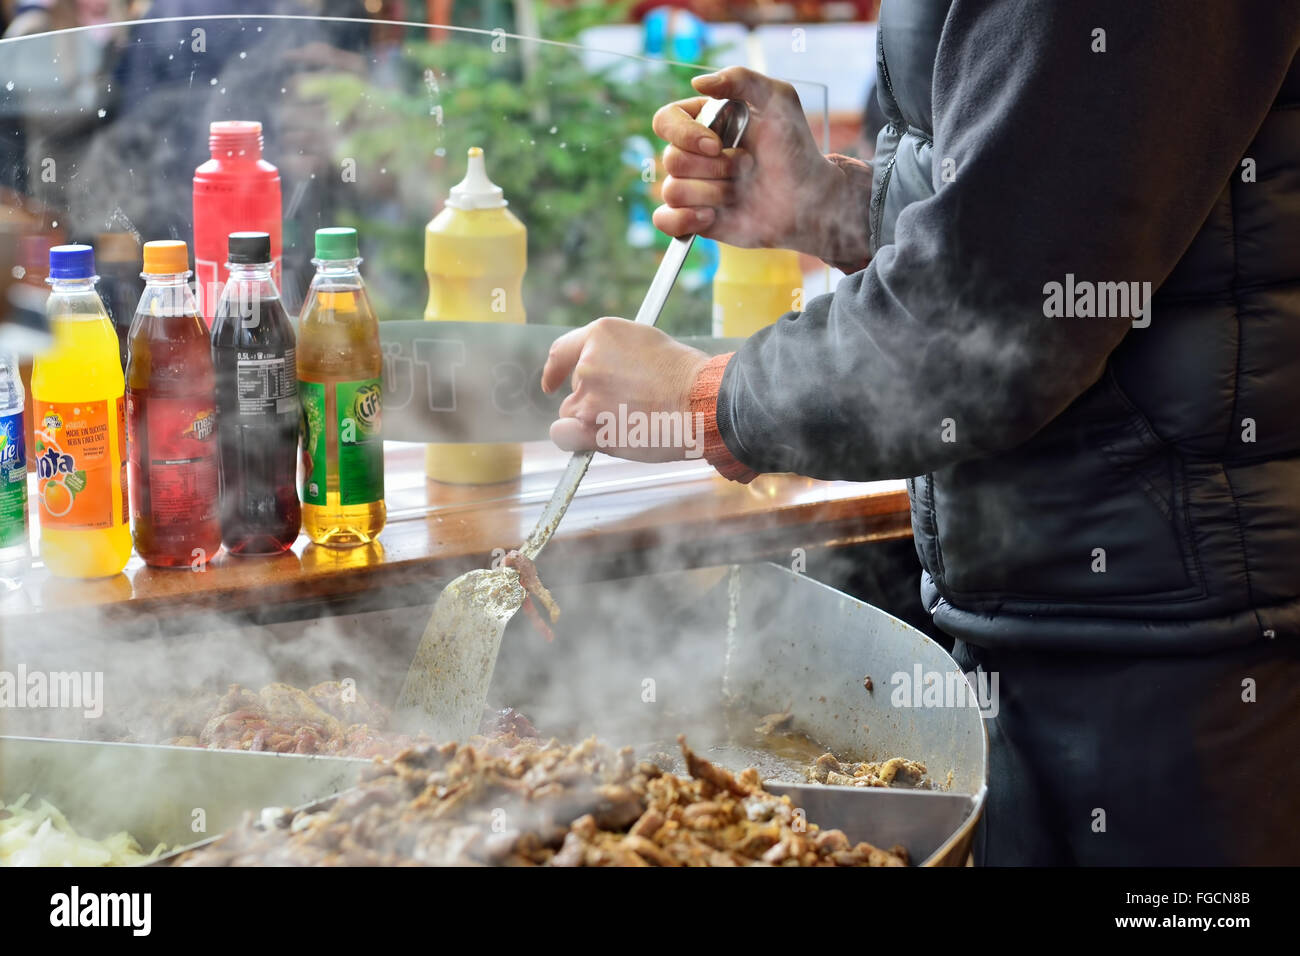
(229,139)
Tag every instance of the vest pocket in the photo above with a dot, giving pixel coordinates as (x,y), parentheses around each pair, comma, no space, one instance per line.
(1091,513)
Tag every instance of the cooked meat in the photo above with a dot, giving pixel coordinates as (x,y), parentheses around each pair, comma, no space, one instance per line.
(901,770)
(648,824)
(285,719)
(329,718)
(713,777)
(896,771)
(526,803)
(532,583)
(507,720)
(827,762)
(342,700)
(775,723)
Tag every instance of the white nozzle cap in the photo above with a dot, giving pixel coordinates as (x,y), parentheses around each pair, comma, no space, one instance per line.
(476,191)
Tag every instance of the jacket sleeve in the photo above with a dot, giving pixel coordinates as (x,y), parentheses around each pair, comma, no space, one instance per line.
(1101,165)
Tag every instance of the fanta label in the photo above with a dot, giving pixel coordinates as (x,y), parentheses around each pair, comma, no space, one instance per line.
(76,464)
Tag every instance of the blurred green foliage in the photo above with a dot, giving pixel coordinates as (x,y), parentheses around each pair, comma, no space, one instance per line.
(553,121)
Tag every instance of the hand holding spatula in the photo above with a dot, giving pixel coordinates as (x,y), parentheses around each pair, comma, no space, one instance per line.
(446,686)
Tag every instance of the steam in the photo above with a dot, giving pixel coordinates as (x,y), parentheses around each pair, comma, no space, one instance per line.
(635,664)
(131,170)
(590,680)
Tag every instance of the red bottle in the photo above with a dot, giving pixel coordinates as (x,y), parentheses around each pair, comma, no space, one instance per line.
(171,419)
(234,191)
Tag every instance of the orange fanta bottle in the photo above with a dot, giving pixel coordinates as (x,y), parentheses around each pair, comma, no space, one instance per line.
(78,425)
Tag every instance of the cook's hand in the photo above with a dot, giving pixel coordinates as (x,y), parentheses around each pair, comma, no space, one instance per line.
(778,191)
(616,362)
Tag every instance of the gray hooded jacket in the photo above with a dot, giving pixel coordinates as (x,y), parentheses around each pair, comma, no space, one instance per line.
(1099,468)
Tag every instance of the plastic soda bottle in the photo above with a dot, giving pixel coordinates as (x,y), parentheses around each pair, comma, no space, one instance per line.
(235,190)
(753,288)
(171,417)
(475,255)
(340,369)
(14,550)
(253,350)
(79,428)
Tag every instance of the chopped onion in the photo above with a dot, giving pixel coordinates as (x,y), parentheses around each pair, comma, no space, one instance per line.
(43,837)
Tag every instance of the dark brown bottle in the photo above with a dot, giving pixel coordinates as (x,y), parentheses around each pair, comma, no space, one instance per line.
(253,352)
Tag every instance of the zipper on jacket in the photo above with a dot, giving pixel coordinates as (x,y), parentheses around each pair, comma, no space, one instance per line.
(878,195)
(932,519)
(878,199)
(884,62)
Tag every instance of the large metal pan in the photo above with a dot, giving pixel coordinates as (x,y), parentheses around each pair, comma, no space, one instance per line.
(636,661)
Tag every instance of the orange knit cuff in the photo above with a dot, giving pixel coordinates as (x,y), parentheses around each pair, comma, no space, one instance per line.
(704,406)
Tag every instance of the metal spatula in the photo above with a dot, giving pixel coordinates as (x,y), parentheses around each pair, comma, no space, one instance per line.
(446,686)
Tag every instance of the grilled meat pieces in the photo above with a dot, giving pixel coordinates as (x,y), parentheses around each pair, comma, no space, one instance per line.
(329,718)
(285,719)
(525,803)
(505,721)
(896,771)
(780,722)
(535,589)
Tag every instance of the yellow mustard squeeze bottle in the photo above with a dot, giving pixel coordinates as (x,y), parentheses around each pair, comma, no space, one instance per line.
(753,288)
(79,428)
(475,255)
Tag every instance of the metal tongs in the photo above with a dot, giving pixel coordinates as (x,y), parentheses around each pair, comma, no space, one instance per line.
(446,685)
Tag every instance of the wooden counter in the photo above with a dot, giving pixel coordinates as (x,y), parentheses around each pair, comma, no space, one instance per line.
(627,518)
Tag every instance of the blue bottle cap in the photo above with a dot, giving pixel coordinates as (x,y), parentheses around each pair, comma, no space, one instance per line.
(72,262)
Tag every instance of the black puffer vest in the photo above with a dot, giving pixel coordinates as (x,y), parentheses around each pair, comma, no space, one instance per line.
(1151,470)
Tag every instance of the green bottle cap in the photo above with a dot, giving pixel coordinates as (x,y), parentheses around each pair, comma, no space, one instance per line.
(337,242)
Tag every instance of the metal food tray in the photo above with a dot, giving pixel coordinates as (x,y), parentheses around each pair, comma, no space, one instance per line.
(635,660)
(157,793)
